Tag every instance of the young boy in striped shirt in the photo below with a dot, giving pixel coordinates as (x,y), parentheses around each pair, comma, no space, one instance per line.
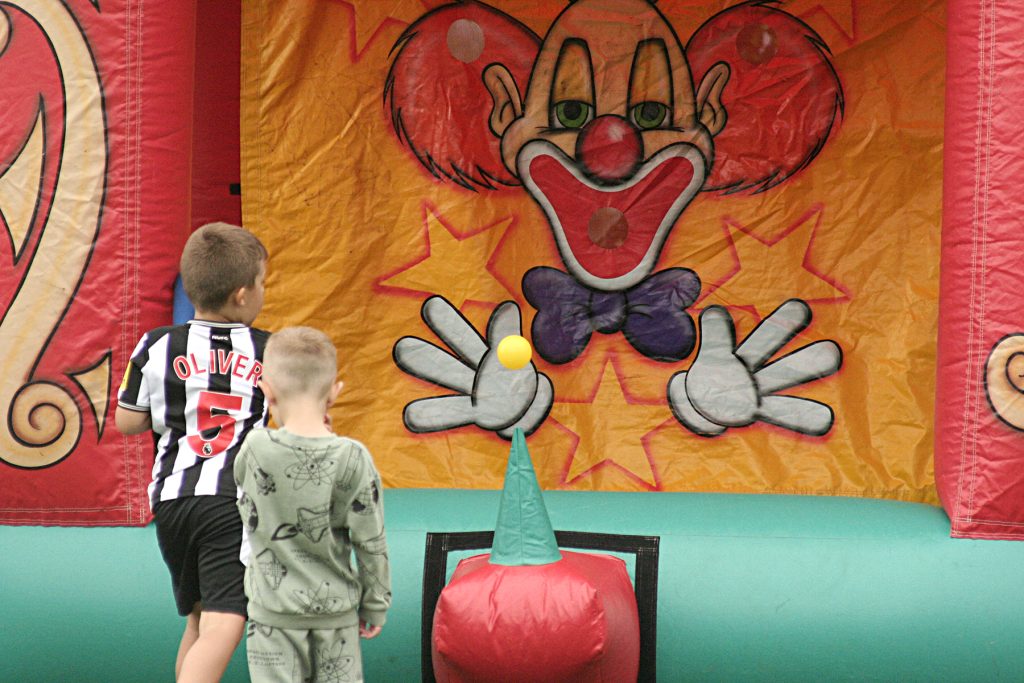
(197,387)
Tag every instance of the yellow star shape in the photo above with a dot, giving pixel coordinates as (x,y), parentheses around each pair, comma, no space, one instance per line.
(769,272)
(611,429)
(455,264)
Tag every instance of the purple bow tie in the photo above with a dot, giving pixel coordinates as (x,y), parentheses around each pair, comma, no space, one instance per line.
(652,315)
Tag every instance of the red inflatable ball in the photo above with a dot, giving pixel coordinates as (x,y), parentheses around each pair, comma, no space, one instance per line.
(574,620)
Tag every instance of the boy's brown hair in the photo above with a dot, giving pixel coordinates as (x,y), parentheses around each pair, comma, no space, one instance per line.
(300,360)
(218,259)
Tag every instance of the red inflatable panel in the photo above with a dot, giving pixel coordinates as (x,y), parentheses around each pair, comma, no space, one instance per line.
(572,620)
(215,124)
(979,452)
(95,131)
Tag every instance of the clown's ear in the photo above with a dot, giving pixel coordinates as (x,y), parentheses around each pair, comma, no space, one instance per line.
(439,105)
(784,97)
(709,98)
(508,104)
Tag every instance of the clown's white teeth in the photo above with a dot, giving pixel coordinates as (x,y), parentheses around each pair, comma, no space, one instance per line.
(20,185)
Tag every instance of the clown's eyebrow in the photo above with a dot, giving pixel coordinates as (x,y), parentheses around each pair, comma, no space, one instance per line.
(574,73)
(650,78)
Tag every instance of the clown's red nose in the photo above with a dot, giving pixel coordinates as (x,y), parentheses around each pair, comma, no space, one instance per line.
(609,148)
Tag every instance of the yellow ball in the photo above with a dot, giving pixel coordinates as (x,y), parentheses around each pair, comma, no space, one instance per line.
(514,352)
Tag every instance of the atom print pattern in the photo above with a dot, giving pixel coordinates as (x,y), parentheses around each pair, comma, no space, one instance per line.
(318,507)
(304,655)
(319,601)
(332,666)
(313,468)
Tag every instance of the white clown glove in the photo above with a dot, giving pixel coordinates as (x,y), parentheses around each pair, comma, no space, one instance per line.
(489,395)
(730,386)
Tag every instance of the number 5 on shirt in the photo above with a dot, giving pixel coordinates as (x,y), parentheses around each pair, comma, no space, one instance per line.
(208,420)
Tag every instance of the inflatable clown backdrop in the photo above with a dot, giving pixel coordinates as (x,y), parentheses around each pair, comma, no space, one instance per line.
(756,247)
(650,193)
(613,142)
(717,224)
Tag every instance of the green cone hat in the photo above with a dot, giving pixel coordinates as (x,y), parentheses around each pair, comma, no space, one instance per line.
(523,535)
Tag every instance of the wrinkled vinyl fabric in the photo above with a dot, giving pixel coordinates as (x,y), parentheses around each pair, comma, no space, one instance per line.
(979,450)
(94,185)
(402,207)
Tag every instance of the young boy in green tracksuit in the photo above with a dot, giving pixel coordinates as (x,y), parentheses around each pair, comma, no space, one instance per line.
(308,499)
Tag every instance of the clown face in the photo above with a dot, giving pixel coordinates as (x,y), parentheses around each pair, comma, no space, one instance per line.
(611,140)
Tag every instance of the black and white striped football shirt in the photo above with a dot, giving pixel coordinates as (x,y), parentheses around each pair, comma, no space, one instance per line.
(198,382)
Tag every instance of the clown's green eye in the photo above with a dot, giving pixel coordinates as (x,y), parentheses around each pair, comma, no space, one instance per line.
(573,113)
(650,114)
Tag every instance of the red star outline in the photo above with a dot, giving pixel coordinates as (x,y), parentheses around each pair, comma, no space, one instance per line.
(820,9)
(609,462)
(355,55)
(816,211)
(491,265)
(428,208)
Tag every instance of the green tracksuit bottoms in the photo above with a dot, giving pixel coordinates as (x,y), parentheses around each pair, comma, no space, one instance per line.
(280,655)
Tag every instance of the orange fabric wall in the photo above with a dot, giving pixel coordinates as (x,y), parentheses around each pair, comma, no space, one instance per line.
(361,235)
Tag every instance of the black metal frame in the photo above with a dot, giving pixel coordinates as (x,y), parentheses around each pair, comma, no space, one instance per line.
(643,548)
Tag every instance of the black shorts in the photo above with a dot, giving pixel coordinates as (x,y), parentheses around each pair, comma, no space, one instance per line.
(201,538)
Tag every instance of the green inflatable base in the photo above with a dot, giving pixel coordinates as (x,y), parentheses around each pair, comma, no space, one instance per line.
(752,588)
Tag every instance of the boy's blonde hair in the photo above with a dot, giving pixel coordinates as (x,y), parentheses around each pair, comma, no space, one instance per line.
(300,361)
(219,259)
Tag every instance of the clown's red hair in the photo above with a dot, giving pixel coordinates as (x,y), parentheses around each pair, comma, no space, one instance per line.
(782,100)
(437,100)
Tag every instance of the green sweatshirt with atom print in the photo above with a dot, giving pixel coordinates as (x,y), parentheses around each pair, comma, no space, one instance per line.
(307,503)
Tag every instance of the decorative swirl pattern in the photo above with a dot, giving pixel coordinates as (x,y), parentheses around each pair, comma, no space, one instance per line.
(43,421)
(1004,380)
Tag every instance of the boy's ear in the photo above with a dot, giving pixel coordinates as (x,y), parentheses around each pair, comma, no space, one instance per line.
(333,395)
(268,391)
(239,296)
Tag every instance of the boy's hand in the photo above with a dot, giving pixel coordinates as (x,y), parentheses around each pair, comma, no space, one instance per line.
(367,631)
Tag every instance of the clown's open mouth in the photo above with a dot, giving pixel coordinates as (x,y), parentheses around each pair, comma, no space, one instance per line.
(609,236)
